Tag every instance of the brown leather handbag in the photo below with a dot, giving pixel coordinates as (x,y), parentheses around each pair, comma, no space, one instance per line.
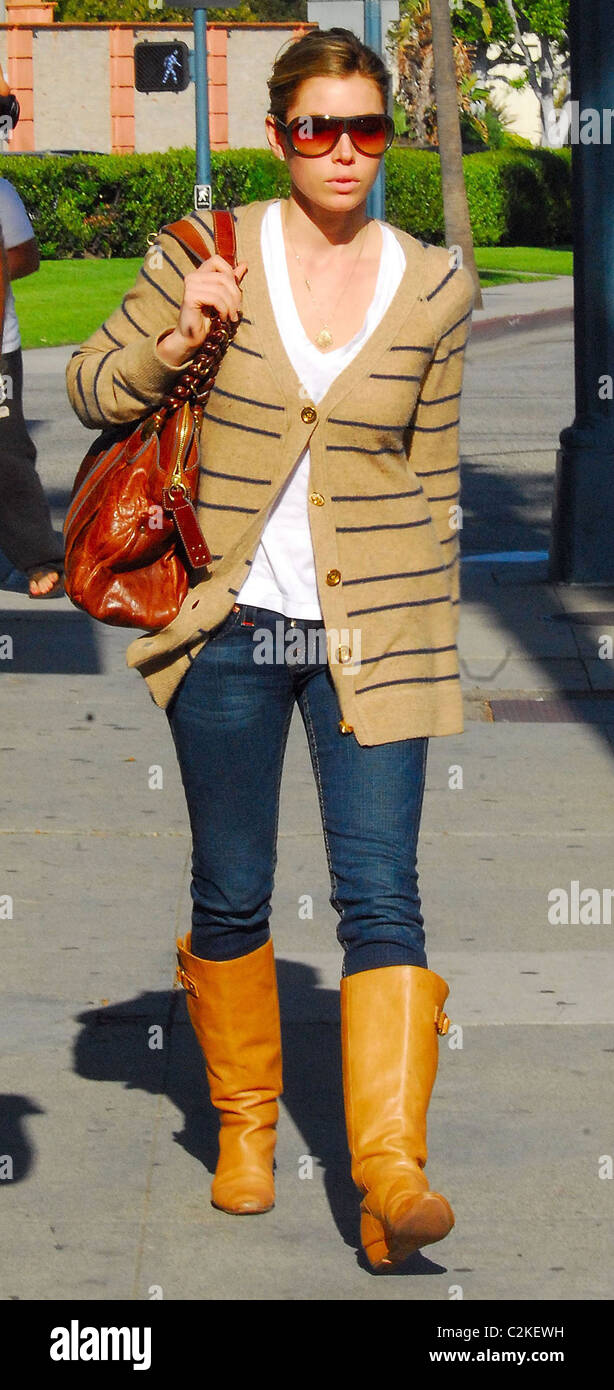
(131,529)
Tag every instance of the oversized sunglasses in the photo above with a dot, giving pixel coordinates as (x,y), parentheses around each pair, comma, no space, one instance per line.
(313,136)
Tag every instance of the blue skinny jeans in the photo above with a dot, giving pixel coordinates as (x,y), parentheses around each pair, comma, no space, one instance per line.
(229,720)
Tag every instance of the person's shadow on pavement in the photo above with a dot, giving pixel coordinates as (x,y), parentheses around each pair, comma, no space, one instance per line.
(17,1150)
(148,1044)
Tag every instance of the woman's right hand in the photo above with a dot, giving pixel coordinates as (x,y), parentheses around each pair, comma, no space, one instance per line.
(214,284)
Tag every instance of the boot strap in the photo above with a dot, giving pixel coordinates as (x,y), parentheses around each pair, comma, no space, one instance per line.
(442,1022)
(184,979)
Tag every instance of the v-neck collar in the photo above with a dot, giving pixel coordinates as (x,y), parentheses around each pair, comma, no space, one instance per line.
(308,346)
(258,308)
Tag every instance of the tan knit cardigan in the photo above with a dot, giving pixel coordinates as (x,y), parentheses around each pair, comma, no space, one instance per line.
(383,488)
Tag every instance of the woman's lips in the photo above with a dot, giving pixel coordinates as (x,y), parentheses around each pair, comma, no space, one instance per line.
(342,183)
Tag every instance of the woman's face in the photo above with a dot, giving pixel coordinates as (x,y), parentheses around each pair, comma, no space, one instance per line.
(314,178)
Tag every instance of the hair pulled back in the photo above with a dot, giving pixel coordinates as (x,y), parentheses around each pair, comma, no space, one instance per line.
(322,53)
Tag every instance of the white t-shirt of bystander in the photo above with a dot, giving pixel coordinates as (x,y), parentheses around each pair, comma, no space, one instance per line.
(16,228)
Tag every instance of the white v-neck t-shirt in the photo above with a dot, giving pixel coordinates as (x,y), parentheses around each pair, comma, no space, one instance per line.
(282,574)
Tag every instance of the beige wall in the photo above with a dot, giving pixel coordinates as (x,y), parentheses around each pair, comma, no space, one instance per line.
(251,56)
(71,78)
(71,90)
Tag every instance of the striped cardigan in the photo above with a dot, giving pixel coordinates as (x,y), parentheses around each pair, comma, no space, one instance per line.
(384,482)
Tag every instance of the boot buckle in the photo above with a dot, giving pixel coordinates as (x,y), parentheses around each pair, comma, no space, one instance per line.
(442,1022)
(184,979)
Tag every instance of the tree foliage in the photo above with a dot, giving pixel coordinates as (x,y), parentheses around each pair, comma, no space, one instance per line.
(130,11)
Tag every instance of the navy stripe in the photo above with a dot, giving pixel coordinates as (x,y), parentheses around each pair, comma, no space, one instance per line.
(384,607)
(436,472)
(410,680)
(170,261)
(218,507)
(407,651)
(453,351)
(80,389)
(359,449)
(234,425)
(134,323)
(239,348)
(442,283)
(435,429)
(176,303)
(96,375)
(130,391)
(232,395)
(373,497)
(388,376)
(236,477)
(110,335)
(448,497)
(394,526)
(409,347)
(194,217)
(441,400)
(456,325)
(363,424)
(404,574)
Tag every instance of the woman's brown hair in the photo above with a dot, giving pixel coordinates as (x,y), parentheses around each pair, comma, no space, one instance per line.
(322,53)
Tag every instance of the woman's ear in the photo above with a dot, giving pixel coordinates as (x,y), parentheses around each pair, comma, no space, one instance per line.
(272,135)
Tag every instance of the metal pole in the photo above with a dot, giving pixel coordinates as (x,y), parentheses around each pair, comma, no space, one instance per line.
(376,199)
(203,152)
(582,548)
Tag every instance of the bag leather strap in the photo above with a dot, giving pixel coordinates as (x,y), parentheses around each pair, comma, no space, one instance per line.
(188,235)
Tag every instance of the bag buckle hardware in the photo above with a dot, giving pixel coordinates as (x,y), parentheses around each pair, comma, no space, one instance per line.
(184,979)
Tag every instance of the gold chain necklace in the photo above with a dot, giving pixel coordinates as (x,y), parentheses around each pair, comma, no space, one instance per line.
(324,337)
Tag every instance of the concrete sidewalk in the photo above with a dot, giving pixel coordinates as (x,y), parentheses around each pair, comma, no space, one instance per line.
(113,1142)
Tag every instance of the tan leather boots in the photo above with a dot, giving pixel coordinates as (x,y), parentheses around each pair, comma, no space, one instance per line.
(234,1010)
(390,1019)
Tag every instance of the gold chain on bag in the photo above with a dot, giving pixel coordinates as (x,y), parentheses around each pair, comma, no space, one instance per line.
(195,384)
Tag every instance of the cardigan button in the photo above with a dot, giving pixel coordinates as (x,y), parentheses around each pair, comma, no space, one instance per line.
(316,498)
(345,654)
(333,576)
(345,728)
(308,414)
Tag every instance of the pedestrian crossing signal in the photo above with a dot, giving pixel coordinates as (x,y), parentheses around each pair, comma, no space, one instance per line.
(161,67)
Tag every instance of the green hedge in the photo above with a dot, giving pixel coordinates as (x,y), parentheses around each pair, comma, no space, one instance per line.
(107,205)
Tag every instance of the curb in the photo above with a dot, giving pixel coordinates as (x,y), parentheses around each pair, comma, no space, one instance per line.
(504,324)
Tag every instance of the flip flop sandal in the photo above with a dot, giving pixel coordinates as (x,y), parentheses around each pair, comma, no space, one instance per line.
(39,572)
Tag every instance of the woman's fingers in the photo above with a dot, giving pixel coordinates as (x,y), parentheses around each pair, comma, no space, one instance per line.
(213,286)
(215,283)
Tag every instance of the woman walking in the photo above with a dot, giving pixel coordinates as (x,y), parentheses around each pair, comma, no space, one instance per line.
(327,494)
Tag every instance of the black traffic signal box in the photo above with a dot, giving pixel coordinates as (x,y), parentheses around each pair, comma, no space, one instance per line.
(161,67)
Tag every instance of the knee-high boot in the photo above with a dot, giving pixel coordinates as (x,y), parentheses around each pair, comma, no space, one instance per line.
(390,1020)
(234,1010)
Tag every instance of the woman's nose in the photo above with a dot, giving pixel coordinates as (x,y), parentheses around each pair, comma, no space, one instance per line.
(344,145)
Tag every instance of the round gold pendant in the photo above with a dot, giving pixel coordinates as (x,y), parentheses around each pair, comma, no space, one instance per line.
(324,338)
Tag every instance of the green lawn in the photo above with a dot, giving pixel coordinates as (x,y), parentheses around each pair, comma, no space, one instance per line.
(502,265)
(65,301)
